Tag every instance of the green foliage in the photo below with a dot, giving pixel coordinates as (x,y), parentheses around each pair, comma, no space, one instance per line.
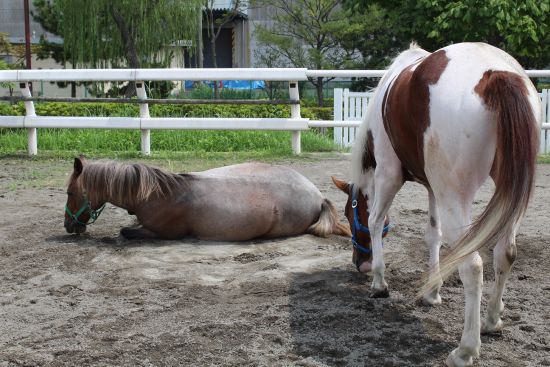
(104,33)
(101,141)
(303,36)
(521,28)
(49,15)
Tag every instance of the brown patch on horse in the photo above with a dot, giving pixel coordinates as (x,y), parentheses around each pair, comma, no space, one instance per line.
(368,155)
(406,112)
(490,88)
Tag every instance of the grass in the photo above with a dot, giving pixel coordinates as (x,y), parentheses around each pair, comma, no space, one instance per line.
(114,142)
(51,169)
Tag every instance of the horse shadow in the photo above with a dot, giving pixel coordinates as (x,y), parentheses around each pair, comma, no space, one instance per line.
(119,241)
(334,322)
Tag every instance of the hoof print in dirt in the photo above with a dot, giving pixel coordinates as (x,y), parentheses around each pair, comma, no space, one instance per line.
(380,293)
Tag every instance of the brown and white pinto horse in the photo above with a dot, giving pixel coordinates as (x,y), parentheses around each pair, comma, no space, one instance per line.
(233,203)
(449,120)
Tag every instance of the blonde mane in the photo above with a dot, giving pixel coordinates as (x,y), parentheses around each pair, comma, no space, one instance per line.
(128,183)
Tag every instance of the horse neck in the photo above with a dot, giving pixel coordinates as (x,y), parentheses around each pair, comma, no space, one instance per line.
(130,186)
(100,193)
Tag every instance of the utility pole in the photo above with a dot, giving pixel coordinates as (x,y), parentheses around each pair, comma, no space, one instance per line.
(27,38)
(27,34)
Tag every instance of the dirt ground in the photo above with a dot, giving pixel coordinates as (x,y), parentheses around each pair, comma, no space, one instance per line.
(99,300)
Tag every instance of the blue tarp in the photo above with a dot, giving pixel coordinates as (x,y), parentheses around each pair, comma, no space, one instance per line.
(233,84)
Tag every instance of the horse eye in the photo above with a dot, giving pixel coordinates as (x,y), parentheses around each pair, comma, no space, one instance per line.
(69,193)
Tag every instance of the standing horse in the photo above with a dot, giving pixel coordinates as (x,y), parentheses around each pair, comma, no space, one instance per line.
(449,120)
(233,203)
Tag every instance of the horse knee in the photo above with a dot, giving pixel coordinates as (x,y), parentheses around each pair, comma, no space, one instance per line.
(471,272)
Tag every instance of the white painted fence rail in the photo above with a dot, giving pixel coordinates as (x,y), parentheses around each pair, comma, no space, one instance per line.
(349,108)
(354,107)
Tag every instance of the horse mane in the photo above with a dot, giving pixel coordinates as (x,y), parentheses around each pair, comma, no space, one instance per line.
(129,183)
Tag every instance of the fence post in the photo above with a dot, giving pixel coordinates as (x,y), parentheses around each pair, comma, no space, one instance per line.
(32,140)
(544,138)
(338,116)
(144,113)
(295,114)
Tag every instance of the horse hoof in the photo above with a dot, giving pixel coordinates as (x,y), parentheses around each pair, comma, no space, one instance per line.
(129,233)
(454,360)
(380,293)
(488,328)
(431,300)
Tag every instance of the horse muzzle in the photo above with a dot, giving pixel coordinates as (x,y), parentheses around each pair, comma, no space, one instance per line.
(364,267)
(73,227)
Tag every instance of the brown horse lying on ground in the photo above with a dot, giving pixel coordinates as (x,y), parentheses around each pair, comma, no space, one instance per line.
(233,203)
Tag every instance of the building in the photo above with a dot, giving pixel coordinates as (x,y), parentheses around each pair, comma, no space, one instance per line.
(234,47)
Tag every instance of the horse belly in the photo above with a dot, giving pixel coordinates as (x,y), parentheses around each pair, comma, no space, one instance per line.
(251,215)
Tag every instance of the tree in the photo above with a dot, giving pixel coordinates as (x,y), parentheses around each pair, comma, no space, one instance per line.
(303,35)
(215,26)
(521,28)
(6,48)
(49,16)
(131,33)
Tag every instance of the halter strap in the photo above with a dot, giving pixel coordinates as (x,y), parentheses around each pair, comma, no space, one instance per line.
(94,214)
(358,226)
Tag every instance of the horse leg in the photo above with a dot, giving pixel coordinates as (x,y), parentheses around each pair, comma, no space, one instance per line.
(455,217)
(433,240)
(504,255)
(136,233)
(385,187)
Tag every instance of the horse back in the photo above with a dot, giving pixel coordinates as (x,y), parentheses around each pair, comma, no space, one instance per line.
(433,103)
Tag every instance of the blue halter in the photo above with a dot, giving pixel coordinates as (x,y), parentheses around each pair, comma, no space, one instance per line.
(358,226)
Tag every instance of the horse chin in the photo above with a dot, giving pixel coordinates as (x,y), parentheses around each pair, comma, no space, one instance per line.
(79,228)
(365,267)
(75,228)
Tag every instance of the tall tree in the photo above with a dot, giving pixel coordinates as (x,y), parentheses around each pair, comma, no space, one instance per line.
(302,34)
(520,27)
(131,33)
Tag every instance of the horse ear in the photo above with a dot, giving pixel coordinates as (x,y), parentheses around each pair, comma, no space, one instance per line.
(342,185)
(78,165)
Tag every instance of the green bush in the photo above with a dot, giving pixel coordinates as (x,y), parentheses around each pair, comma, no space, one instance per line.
(104,140)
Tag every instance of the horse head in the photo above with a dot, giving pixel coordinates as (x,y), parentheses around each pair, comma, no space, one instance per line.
(79,211)
(357,213)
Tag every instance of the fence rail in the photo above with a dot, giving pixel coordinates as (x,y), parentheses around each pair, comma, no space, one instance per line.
(145,123)
(349,108)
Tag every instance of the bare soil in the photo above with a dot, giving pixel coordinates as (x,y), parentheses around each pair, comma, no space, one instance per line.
(99,300)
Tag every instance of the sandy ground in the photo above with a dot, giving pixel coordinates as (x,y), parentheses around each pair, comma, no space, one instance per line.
(99,300)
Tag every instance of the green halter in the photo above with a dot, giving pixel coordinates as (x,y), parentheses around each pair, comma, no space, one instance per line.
(94,214)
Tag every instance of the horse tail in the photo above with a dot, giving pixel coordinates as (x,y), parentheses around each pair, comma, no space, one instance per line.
(328,222)
(505,94)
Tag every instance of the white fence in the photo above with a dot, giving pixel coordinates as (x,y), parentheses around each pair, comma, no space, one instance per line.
(145,123)
(350,106)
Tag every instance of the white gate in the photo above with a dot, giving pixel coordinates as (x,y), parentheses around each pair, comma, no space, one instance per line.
(544,133)
(350,106)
